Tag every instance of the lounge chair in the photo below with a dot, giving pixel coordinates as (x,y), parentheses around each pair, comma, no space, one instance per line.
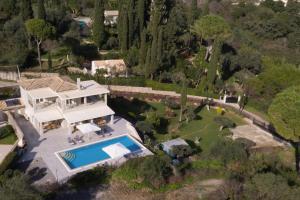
(71,141)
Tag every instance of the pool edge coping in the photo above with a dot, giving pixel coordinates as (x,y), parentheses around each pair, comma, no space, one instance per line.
(90,166)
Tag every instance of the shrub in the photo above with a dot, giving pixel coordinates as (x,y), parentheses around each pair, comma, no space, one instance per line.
(144,127)
(182,151)
(153,171)
(228,151)
(7,161)
(171,103)
(6,130)
(224,122)
(153,118)
(189,114)
(97,176)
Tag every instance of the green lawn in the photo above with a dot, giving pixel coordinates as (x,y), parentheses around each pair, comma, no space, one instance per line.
(8,136)
(203,127)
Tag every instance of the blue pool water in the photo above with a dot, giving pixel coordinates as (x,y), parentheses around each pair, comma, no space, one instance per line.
(93,153)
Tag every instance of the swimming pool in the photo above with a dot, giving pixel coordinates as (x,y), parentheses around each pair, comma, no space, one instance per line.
(93,153)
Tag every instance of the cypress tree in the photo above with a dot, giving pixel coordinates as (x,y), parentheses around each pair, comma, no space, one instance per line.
(214,63)
(157,13)
(143,50)
(41,12)
(26,10)
(130,15)
(194,12)
(160,46)
(183,98)
(98,24)
(148,64)
(50,62)
(141,16)
(123,26)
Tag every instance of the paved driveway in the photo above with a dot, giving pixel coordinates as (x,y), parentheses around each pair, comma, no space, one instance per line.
(257,135)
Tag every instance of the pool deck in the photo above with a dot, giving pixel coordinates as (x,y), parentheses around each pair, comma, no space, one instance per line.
(45,147)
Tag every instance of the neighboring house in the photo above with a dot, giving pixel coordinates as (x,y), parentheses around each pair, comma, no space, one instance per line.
(112,67)
(52,103)
(111,18)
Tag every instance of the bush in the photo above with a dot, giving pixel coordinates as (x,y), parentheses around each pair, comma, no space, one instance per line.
(224,122)
(144,127)
(181,151)
(97,176)
(228,151)
(171,103)
(153,171)
(7,161)
(6,130)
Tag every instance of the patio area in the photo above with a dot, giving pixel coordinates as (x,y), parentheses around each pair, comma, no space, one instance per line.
(44,146)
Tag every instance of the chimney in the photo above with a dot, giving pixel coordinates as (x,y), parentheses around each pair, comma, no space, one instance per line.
(78,84)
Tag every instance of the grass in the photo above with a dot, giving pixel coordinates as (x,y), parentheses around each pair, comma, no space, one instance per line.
(8,137)
(202,127)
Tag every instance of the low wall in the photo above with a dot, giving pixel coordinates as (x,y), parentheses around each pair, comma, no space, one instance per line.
(13,76)
(150,94)
(18,130)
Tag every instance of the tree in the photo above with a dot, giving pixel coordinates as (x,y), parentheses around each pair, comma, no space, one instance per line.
(39,30)
(15,185)
(269,186)
(143,48)
(183,99)
(123,27)
(284,114)
(141,12)
(156,19)
(50,62)
(216,29)
(130,15)
(41,12)
(26,10)
(98,25)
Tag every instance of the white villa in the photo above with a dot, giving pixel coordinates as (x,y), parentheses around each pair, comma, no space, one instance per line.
(111,18)
(112,67)
(51,103)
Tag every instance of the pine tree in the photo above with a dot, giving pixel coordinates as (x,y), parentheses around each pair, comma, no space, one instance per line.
(98,24)
(26,10)
(41,12)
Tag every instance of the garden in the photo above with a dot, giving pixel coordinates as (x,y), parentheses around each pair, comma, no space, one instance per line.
(7,135)
(211,155)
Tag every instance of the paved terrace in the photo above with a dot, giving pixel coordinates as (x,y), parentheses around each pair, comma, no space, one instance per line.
(44,146)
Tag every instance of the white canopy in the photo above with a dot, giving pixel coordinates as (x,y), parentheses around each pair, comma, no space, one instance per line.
(92,112)
(88,128)
(116,150)
(48,115)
